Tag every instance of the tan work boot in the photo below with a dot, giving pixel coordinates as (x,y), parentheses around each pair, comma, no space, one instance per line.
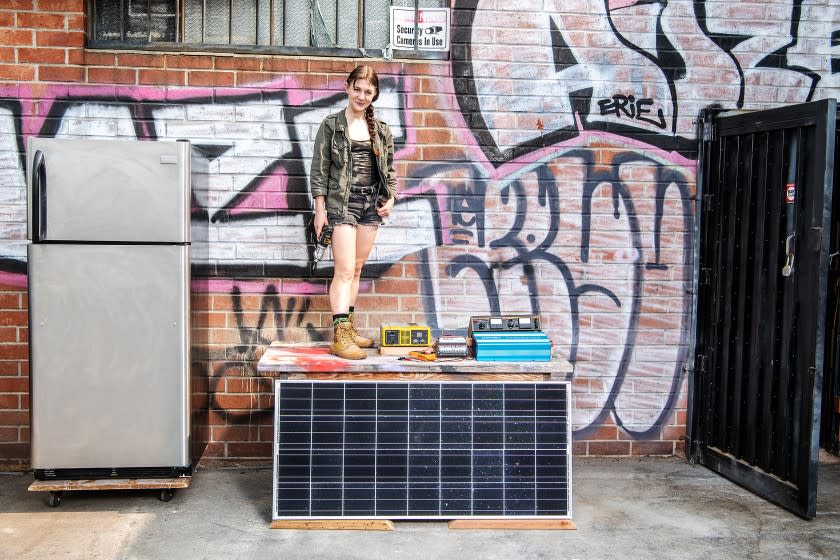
(359,340)
(343,345)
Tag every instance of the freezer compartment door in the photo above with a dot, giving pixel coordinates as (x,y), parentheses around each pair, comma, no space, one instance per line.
(115,190)
(109,340)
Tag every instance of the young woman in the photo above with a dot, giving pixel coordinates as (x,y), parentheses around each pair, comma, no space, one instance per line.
(353,186)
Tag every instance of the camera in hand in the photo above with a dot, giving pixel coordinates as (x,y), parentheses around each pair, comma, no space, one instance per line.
(326,236)
(321,243)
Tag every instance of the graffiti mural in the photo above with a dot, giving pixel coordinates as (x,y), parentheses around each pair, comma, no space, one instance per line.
(553,173)
(637,68)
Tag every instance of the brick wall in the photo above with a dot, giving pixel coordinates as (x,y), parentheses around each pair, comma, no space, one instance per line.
(14,378)
(548,166)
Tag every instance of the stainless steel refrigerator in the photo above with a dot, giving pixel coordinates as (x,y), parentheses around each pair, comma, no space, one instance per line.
(109,307)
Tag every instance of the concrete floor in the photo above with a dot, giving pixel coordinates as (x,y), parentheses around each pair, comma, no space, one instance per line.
(623,508)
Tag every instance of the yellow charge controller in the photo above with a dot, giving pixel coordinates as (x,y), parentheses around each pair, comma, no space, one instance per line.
(405,335)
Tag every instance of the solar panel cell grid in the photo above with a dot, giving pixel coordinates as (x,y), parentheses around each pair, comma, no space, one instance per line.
(421,450)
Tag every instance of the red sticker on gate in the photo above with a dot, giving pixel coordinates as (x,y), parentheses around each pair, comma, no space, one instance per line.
(790,193)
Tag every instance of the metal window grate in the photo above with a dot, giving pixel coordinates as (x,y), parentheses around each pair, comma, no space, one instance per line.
(263,23)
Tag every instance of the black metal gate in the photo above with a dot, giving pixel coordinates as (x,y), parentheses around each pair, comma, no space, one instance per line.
(754,405)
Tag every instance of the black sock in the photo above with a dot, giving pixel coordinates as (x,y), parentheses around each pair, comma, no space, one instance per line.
(340,318)
(350,314)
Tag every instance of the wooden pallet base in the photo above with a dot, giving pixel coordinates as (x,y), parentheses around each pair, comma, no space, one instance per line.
(505,524)
(388,525)
(334,524)
(110,484)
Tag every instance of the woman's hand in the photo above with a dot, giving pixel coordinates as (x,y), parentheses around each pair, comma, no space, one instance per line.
(384,209)
(319,221)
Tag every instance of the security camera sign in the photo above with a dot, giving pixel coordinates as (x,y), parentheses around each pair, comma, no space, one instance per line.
(429,33)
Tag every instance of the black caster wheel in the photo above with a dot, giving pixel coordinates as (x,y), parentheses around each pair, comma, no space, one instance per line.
(166,495)
(54,499)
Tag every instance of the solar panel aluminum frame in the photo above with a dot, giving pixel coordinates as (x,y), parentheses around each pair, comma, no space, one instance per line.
(296,488)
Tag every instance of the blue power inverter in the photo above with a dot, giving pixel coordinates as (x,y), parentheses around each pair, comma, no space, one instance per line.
(512,346)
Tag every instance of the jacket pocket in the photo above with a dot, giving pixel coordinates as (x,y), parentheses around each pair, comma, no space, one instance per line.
(338,152)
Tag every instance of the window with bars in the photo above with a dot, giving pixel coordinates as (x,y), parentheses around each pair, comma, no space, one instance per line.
(268,24)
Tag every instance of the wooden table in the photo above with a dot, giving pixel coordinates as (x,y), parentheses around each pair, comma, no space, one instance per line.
(284,360)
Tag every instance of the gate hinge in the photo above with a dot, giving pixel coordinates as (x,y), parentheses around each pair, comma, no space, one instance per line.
(708,199)
(705,276)
(701,364)
(815,235)
(708,131)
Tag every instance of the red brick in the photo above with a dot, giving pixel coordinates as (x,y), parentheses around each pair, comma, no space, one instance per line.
(189,61)
(395,286)
(9,435)
(61,74)
(76,57)
(201,301)
(285,65)
(141,60)
(609,448)
(19,4)
(14,417)
(112,75)
(10,367)
(14,351)
(609,433)
(332,66)
(233,433)
(162,77)
(50,56)
(258,450)
(214,449)
(14,453)
(673,433)
(262,385)
(16,72)
(8,334)
(216,418)
(212,79)
(313,81)
(240,63)
(40,20)
(17,37)
(233,401)
(7,19)
(245,79)
(653,448)
(60,39)
(100,58)
(14,384)
(76,22)
(9,300)
(61,5)
(9,402)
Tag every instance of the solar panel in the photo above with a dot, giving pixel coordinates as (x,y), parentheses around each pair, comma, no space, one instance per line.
(421,450)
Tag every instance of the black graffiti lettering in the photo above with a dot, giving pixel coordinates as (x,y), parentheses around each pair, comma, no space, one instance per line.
(642,109)
(631,108)
(465,207)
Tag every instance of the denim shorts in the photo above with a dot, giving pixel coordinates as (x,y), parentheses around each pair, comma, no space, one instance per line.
(361,210)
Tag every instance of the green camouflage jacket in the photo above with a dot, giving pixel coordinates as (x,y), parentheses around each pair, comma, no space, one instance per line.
(330,174)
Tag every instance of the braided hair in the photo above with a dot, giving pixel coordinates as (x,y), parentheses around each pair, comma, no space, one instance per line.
(365,72)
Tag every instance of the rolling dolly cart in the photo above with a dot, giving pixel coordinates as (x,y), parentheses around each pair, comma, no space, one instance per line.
(56,488)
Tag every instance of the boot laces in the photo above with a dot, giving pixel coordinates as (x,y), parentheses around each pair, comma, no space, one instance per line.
(344,334)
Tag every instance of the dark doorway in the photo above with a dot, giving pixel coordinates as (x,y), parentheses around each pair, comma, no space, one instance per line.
(756,398)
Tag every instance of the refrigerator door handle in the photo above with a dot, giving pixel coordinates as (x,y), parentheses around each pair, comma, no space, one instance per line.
(39,196)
